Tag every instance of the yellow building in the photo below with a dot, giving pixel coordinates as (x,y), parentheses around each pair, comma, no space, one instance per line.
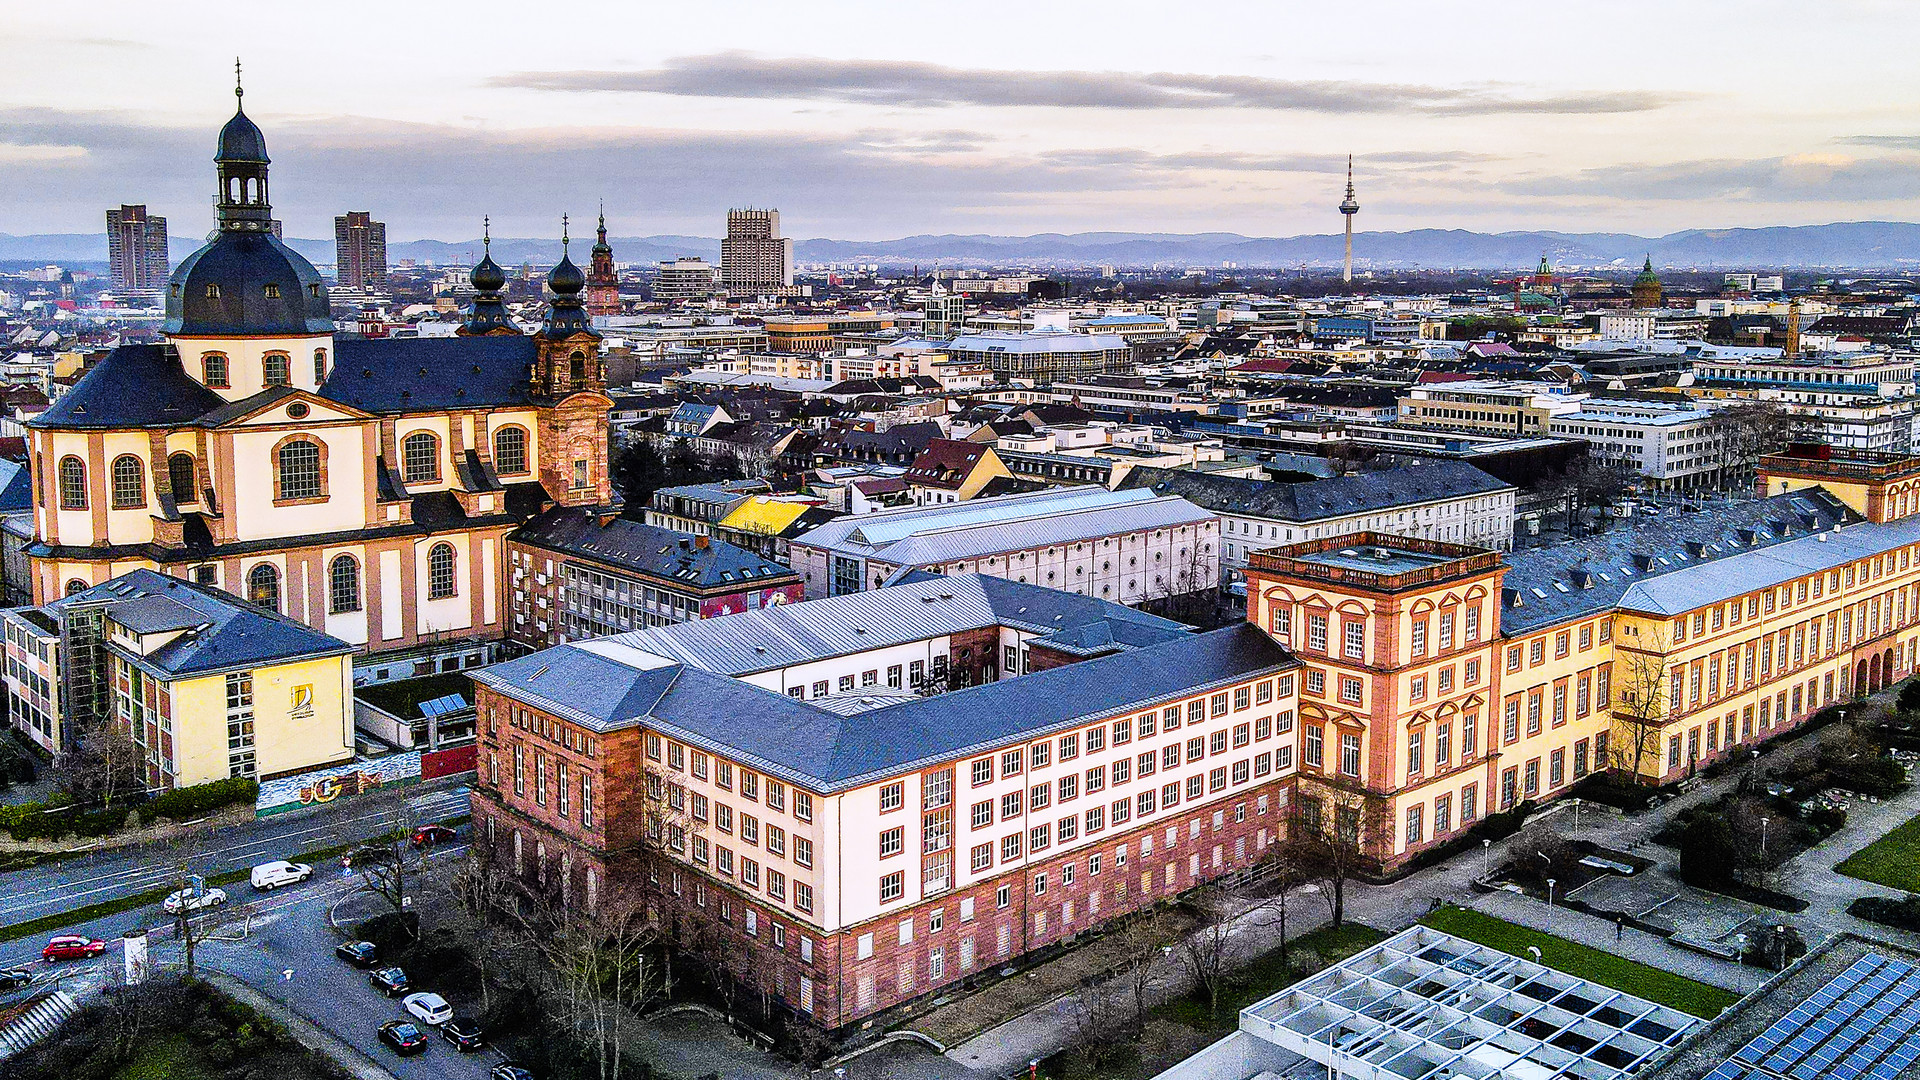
(1445,683)
(208,686)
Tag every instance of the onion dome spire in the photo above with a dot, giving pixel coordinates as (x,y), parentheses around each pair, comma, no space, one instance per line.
(566,314)
(489,313)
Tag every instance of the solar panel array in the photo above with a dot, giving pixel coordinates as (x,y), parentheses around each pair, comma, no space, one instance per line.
(1863,1025)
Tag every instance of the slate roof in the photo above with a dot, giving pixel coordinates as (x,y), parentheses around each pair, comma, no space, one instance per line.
(1594,574)
(947,463)
(391,375)
(133,386)
(16,486)
(651,551)
(240,266)
(1319,500)
(930,606)
(1735,574)
(825,751)
(236,634)
(928,535)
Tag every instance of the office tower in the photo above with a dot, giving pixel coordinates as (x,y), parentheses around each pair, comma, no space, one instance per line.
(683,279)
(137,248)
(360,251)
(754,256)
(1348,208)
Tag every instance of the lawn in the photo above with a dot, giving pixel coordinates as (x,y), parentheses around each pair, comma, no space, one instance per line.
(1587,963)
(1893,860)
(1268,974)
(173,1057)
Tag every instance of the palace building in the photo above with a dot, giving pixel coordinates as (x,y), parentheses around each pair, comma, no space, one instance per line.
(362,487)
(787,788)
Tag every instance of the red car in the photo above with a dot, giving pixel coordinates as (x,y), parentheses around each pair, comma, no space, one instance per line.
(73,947)
(427,836)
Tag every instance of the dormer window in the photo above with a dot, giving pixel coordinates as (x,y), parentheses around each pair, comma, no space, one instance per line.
(313,291)
(213,292)
(273,292)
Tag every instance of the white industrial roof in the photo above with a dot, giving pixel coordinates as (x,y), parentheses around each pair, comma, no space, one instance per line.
(1426,1005)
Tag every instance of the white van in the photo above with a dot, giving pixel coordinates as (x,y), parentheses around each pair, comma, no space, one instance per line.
(269,876)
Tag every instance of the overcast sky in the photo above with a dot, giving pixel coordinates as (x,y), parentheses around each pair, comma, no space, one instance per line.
(876,120)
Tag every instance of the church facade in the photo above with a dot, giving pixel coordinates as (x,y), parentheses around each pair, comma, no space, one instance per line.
(362,487)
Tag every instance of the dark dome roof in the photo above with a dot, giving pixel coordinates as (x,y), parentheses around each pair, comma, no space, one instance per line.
(566,279)
(487,276)
(241,140)
(263,287)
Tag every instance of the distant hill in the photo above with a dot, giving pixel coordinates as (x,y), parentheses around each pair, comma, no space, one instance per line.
(1855,245)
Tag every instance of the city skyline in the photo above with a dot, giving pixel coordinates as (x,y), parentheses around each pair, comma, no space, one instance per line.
(1079,122)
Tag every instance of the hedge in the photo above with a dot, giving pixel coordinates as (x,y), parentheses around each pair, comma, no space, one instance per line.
(58,816)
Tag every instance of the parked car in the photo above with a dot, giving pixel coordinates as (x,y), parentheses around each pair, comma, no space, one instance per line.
(464,1033)
(191,900)
(271,875)
(370,854)
(427,836)
(358,953)
(404,1036)
(390,981)
(429,1007)
(14,978)
(507,1070)
(72,947)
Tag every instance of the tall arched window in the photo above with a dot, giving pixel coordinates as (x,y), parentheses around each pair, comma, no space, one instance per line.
(577,367)
(184,478)
(297,470)
(319,366)
(263,587)
(440,572)
(214,370)
(420,458)
(510,451)
(343,584)
(129,487)
(73,484)
(276,370)
(75,586)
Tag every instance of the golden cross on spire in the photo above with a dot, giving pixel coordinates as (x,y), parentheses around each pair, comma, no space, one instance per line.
(238,92)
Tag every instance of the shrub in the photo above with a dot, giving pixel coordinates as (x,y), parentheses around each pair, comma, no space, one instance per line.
(1903,914)
(1909,699)
(1706,851)
(391,932)
(189,802)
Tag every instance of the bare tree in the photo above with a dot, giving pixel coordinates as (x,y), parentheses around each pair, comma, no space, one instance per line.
(390,864)
(489,928)
(1645,698)
(103,765)
(1748,430)
(186,856)
(1207,950)
(1336,834)
(1145,945)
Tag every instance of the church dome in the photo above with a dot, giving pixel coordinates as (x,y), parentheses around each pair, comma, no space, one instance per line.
(246,284)
(241,140)
(566,279)
(487,277)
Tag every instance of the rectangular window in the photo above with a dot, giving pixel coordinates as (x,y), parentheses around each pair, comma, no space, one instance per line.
(1011,762)
(1311,751)
(1356,640)
(1350,754)
(892,886)
(982,771)
(982,857)
(1317,632)
(892,797)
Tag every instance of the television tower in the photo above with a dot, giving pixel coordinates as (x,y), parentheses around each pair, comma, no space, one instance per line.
(1348,208)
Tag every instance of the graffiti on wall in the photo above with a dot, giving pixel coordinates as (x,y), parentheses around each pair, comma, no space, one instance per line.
(332,785)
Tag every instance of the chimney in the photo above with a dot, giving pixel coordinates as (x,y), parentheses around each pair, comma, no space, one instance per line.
(703,542)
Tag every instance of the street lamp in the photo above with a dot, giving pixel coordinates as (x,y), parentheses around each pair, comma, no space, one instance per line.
(1550,885)
(1763,837)
(1486,846)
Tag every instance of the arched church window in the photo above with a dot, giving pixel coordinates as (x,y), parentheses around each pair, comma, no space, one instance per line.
(577,367)
(263,587)
(510,451)
(319,366)
(275,370)
(297,466)
(73,484)
(182,475)
(420,458)
(343,585)
(129,487)
(440,572)
(74,586)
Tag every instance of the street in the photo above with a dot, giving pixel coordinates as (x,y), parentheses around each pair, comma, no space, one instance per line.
(67,884)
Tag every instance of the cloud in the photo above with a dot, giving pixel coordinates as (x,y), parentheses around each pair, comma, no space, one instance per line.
(924,85)
(1787,178)
(1887,142)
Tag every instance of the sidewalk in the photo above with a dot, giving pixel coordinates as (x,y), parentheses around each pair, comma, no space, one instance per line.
(1007,1048)
(302,1030)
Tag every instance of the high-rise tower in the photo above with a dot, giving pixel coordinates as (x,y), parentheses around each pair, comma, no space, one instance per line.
(754,257)
(1348,208)
(359,251)
(137,249)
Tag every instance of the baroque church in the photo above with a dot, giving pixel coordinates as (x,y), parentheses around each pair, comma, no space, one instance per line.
(364,487)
